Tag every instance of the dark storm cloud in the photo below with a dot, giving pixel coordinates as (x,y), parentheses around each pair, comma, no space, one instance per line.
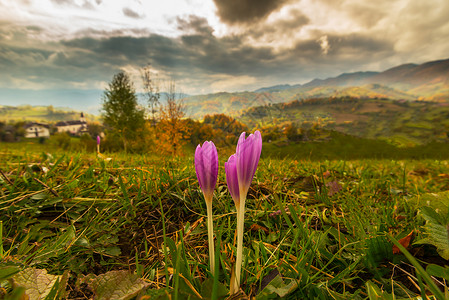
(131,13)
(195,56)
(200,52)
(246,11)
(283,27)
(194,24)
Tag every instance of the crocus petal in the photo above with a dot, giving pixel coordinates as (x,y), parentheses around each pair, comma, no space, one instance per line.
(247,158)
(98,140)
(232,179)
(206,167)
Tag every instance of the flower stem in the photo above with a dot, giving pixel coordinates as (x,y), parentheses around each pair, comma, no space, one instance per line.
(210,233)
(240,226)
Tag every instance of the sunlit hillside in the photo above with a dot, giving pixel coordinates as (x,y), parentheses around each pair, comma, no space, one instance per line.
(40,114)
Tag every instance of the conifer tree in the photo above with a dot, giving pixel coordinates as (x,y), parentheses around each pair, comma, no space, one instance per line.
(121,111)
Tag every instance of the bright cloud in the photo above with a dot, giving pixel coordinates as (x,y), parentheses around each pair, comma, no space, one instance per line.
(213,45)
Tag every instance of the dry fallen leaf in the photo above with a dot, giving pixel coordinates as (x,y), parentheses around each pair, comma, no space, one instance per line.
(405,241)
(333,188)
(256,227)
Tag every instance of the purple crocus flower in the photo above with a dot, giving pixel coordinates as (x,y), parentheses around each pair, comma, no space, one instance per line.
(232,179)
(206,167)
(240,169)
(247,158)
(98,144)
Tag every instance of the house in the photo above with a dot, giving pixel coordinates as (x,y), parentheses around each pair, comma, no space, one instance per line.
(37,130)
(75,127)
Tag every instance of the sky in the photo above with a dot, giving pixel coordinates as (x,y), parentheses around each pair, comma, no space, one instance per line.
(209,46)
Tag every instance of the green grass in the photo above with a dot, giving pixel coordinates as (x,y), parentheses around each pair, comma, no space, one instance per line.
(39,113)
(338,146)
(417,123)
(315,228)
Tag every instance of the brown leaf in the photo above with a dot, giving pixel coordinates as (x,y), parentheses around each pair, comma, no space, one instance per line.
(257,227)
(333,188)
(405,241)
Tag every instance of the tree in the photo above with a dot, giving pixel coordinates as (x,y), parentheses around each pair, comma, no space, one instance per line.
(120,108)
(172,129)
(151,89)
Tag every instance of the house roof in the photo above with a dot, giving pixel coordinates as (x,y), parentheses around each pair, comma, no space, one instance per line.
(31,124)
(70,123)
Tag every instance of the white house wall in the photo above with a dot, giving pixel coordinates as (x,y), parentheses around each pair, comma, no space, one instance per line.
(41,132)
(73,129)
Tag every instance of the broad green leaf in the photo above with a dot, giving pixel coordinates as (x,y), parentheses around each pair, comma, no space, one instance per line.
(8,271)
(438,201)
(378,248)
(37,283)
(40,196)
(437,233)
(114,250)
(206,289)
(53,248)
(438,271)
(277,288)
(117,285)
(375,293)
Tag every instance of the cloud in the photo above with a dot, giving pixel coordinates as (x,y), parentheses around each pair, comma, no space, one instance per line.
(246,11)
(196,59)
(131,13)
(86,4)
(194,24)
(324,44)
(279,42)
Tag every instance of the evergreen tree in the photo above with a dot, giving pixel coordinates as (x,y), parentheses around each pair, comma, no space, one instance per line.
(120,109)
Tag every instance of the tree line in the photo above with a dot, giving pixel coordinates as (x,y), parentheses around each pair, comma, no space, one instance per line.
(161,125)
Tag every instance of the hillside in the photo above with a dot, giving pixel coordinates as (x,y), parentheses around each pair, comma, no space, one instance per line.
(401,123)
(46,114)
(428,81)
(235,103)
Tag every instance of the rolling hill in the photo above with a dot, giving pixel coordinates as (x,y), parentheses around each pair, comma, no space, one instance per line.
(400,122)
(46,114)
(427,82)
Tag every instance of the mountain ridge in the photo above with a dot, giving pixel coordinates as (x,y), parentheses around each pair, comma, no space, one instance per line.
(428,81)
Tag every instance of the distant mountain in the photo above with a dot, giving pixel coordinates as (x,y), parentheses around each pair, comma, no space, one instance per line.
(278,87)
(428,81)
(235,103)
(345,79)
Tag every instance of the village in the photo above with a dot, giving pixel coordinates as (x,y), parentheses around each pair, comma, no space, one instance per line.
(42,130)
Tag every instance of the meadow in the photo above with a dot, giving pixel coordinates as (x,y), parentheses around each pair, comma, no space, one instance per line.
(74,225)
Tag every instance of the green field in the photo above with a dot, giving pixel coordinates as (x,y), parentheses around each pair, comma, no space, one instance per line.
(400,123)
(75,226)
(40,114)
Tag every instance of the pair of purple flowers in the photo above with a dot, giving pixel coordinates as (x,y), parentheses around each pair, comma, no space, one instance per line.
(240,169)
